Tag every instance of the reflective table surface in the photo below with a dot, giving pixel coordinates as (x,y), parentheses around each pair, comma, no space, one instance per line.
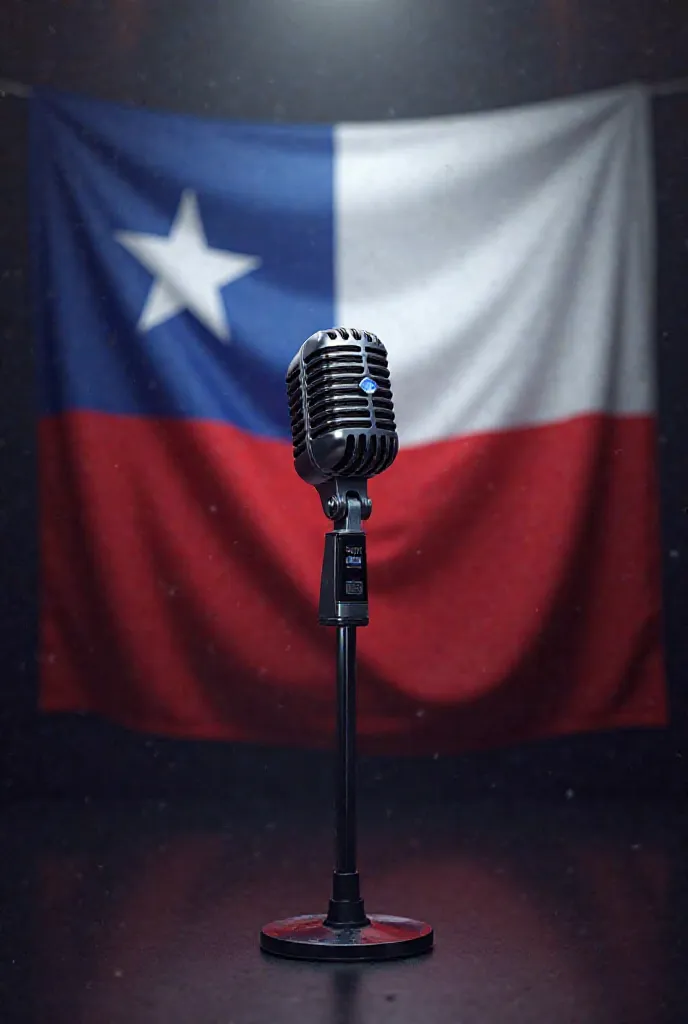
(125,913)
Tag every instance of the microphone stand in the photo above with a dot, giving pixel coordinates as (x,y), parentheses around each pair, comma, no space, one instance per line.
(346,903)
(347,932)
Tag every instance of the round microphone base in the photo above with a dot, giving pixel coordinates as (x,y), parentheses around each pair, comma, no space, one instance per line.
(309,938)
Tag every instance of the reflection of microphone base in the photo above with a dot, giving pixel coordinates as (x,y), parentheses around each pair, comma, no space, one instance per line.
(309,938)
(347,932)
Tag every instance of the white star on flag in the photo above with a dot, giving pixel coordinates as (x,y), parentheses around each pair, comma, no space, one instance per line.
(188,273)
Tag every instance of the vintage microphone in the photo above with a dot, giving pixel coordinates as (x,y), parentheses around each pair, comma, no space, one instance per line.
(344,431)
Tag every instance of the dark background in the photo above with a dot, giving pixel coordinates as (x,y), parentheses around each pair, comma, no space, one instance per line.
(328,60)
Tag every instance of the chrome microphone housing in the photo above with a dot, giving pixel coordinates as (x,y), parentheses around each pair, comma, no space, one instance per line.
(341,407)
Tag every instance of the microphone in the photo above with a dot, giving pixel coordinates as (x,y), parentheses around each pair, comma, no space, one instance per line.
(342,414)
(344,432)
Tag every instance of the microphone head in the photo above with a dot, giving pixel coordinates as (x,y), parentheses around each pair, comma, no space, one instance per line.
(341,407)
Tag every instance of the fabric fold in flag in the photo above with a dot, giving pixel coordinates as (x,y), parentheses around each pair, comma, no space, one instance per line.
(506,261)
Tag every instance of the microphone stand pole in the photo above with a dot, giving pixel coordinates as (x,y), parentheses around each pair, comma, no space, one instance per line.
(344,604)
(347,932)
(346,905)
(345,779)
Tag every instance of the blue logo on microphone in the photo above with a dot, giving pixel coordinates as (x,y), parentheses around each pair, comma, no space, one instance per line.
(368,385)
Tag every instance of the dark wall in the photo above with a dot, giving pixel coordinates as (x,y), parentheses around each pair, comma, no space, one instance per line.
(313,60)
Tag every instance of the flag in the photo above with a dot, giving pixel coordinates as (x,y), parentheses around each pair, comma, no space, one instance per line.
(506,261)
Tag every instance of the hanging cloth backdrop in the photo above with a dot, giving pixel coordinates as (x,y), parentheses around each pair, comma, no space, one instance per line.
(506,260)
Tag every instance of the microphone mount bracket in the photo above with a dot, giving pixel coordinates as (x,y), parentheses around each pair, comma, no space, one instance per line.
(344,579)
(345,501)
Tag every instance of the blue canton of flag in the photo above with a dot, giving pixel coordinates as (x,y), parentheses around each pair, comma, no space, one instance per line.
(203,258)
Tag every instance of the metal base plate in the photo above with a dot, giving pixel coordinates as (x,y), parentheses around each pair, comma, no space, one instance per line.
(308,938)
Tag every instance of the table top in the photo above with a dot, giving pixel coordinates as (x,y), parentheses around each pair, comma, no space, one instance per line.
(139,912)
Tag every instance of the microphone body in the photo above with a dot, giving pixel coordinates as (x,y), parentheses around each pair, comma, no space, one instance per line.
(341,407)
(343,432)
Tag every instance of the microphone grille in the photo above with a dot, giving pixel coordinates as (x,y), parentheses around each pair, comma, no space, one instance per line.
(340,384)
(296,409)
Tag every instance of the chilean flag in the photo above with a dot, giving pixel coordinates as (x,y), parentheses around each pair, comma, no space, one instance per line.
(506,261)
